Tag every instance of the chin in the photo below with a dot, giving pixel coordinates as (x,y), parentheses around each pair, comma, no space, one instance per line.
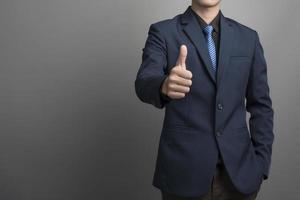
(208,3)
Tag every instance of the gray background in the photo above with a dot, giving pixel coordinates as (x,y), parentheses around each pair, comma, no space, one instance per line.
(71,126)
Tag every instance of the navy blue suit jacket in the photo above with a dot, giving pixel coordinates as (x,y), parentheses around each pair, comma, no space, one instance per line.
(212,115)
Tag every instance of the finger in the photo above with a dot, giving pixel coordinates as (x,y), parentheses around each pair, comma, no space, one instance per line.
(180,81)
(179,88)
(182,56)
(176,95)
(184,73)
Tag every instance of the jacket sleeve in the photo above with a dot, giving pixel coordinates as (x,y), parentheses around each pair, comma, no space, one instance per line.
(152,71)
(259,105)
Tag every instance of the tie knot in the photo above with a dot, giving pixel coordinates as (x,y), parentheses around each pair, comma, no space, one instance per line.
(208,29)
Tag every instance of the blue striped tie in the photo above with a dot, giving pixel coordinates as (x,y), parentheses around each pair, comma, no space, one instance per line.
(211,46)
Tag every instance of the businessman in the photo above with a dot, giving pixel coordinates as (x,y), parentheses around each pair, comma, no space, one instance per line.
(207,71)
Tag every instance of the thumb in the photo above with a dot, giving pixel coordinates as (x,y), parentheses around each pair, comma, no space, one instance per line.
(182,56)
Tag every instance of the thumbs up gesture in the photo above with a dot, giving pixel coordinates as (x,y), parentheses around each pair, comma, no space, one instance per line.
(178,82)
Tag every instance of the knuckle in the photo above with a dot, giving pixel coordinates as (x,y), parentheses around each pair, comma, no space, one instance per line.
(187,82)
(171,77)
(175,67)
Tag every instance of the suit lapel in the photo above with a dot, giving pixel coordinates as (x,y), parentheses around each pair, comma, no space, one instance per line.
(192,29)
(226,43)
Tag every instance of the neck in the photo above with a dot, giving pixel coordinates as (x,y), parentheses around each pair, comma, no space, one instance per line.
(206,13)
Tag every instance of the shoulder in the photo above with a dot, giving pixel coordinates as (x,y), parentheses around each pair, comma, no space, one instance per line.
(242,28)
(165,25)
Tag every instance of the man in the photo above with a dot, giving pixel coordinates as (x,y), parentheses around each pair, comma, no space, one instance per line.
(207,71)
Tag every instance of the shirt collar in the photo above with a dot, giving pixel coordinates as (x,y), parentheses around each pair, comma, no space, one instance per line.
(215,22)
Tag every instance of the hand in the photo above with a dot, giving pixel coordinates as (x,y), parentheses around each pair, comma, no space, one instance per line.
(178,82)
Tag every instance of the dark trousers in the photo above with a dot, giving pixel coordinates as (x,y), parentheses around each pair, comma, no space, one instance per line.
(221,189)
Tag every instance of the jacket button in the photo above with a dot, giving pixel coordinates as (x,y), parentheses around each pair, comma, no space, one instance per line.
(218,133)
(220,106)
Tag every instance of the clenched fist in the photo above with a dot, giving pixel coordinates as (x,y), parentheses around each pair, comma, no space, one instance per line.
(178,82)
